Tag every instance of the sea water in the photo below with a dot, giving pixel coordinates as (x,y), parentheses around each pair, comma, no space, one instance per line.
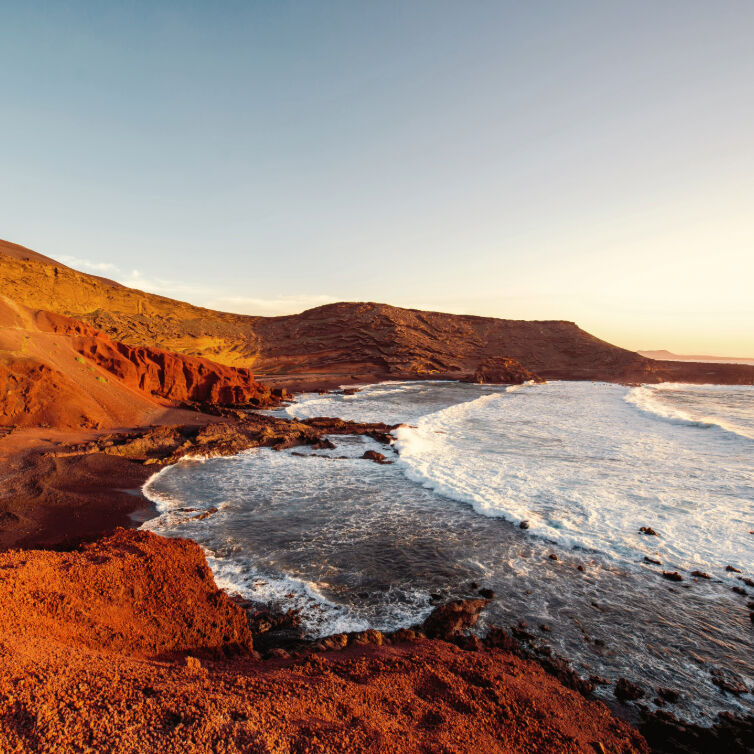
(582,465)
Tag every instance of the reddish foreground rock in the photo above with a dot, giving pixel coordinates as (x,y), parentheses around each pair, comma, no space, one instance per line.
(132,593)
(128,646)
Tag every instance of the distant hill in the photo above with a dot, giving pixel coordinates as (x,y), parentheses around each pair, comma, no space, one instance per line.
(349,341)
(670,356)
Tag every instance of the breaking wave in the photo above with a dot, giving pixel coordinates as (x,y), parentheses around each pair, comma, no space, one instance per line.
(689,404)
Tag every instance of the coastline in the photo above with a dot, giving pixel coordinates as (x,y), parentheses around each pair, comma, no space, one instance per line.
(61,494)
(105,468)
(96,471)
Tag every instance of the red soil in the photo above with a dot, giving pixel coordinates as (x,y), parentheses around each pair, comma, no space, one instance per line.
(90,660)
(132,593)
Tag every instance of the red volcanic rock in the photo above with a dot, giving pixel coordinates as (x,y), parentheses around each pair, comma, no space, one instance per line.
(132,593)
(454,618)
(672,575)
(169,375)
(499,370)
(373,455)
(33,393)
(625,690)
(728,681)
(128,646)
(669,695)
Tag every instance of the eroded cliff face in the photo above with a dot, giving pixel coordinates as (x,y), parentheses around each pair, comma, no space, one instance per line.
(58,372)
(176,377)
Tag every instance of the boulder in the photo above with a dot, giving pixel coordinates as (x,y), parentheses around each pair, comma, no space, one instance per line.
(672,575)
(627,691)
(373,455)
(499,370)
(453,619)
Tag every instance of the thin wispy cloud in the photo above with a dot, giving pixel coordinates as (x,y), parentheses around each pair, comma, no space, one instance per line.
(87,265)
(212,298)
(276,305)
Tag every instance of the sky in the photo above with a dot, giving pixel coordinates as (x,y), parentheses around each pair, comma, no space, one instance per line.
(590,161)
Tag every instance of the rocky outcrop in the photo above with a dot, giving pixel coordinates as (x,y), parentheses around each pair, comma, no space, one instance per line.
(169,375)
(168,444)
(133,593)
(35,394)
(60,373)
(45,382)
(500,370)
(453,619)
(128,646)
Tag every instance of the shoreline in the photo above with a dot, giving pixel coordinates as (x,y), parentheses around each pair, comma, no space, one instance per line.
(92,473)
(266,606)
(100,465)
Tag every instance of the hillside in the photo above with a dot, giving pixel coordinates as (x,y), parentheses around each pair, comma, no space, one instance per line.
(58,372)
(336,342)
(665,355)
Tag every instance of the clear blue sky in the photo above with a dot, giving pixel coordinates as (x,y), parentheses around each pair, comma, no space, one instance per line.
(591,161)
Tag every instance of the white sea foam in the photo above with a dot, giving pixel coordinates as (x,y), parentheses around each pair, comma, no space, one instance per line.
(273,579)
(658,400)
(388,402)
(581,469)
(322,617)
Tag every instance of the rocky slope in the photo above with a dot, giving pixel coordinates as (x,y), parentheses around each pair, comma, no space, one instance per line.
(57,372)
(129,646)
(337,342)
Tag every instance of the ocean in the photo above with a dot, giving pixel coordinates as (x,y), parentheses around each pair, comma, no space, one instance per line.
(583,466)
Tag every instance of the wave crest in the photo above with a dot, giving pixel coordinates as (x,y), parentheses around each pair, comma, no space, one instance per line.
(649,399)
